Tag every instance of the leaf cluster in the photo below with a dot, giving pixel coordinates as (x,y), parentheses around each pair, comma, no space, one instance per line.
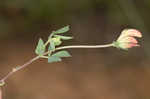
(54,40)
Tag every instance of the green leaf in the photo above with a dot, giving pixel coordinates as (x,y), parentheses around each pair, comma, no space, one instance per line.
(63,37)
(52,59)
(62,54)
(62,30)
(51,46)
(40,48)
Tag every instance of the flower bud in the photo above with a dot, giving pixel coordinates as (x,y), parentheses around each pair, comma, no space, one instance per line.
(127,39)
(57,41)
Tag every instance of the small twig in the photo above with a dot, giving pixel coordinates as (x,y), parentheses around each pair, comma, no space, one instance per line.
(125,41)
(18,68)
(59,48)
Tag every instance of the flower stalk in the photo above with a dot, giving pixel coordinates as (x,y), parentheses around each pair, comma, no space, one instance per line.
(2,81)
(55,52)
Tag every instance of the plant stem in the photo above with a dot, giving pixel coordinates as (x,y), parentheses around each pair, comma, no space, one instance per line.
(84,46)
(59,48)
(80,46)
(46,43)
(18,68)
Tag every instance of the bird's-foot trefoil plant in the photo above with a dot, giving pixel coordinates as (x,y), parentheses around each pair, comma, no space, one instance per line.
(54,52)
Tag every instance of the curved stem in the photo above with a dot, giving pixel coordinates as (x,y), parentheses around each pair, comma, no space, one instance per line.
(18,68)
(59,48)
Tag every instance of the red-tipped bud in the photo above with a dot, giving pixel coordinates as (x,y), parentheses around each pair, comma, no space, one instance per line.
(127,39)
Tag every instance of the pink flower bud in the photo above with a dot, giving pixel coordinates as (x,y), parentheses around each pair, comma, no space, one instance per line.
(130,33)
(127,45)
(127,39)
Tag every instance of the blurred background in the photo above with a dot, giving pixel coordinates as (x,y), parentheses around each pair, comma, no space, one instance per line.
(90,73)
